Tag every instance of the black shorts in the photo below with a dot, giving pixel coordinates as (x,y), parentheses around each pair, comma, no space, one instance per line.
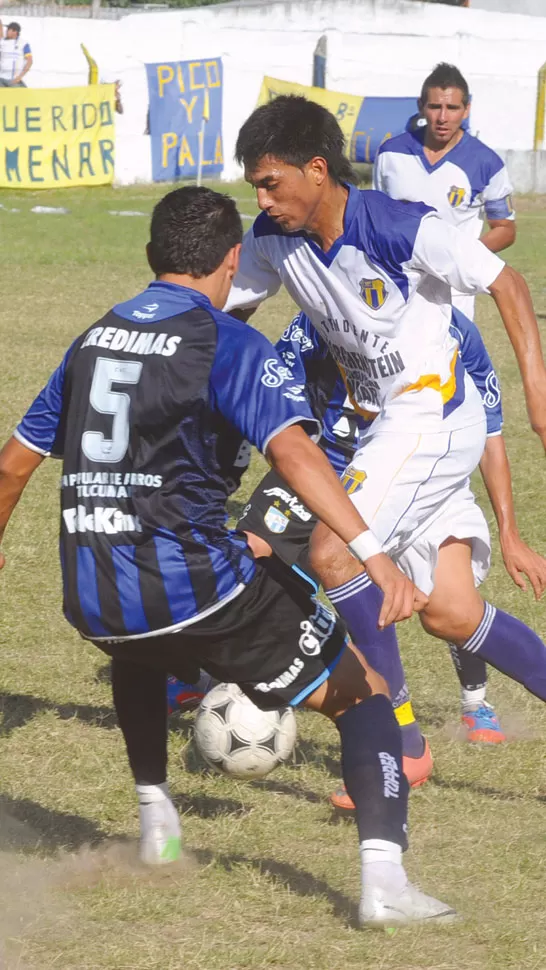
(274,640)
(276,514)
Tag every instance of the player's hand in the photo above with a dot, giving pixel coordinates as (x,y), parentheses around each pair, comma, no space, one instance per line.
(401,597)
(520,559)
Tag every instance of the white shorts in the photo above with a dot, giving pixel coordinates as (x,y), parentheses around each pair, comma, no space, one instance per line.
(413,491)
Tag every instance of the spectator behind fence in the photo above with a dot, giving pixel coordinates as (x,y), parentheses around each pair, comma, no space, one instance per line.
(15,56)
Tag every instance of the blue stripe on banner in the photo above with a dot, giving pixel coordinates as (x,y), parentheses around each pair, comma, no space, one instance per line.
(224,574)
(128,583)
(176,579)
(88,593)
(307,691)
(459,394)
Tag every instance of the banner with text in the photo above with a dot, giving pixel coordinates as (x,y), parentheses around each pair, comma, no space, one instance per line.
(56,137)
(365,122)
(185,118)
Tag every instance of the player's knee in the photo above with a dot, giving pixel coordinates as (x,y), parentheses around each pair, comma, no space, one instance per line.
(454,621)
(329,558)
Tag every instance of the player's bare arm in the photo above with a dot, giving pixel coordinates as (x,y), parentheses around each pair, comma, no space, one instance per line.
(518,557)
(511,294)
(500,235)
(17,464)
(302,464)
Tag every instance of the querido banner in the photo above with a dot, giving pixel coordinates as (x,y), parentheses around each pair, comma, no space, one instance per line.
(56,137)
(186,118)
(365,122)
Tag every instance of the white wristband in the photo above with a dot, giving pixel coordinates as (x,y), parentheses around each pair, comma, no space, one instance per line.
(364,546)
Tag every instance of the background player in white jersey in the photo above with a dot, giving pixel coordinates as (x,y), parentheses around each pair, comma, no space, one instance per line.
(374,276)
(446,167)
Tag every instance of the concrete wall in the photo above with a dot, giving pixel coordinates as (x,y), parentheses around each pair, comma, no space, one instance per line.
(375,47)
(531,8)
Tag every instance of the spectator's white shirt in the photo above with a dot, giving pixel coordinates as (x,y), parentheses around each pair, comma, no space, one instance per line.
(13,53)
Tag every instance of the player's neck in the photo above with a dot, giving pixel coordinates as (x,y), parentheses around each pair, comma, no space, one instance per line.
(326,223)
(212,286)
(434,150)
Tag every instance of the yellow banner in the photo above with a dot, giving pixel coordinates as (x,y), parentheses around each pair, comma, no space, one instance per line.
(56,137)
(345,107)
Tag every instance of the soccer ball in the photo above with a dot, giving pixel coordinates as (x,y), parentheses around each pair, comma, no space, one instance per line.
(237,738)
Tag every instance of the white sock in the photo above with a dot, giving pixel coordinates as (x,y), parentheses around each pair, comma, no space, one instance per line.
(153,793)
(472,698)
(157,809)
(382,865)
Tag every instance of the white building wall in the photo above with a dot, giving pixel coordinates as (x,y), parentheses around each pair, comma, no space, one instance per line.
(375,47)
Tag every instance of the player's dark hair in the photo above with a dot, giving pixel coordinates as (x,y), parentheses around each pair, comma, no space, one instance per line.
(192,231)
(445,76)
(294,130)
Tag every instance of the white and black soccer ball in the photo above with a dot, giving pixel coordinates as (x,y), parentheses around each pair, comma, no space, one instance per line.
(237,738)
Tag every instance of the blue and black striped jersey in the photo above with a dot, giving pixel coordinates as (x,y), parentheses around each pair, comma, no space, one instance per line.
(148,411)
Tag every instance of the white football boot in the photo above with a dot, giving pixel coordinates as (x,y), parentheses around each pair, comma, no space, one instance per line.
(392,907)
(160,833)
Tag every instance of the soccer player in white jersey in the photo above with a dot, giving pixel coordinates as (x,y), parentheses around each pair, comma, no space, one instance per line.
(446,167)
(374,276)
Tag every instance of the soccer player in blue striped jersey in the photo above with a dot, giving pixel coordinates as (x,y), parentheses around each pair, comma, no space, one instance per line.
(446,167)
(147,410)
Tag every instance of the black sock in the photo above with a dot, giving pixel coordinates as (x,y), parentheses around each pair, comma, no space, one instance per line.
(371,753)
(140,699)
(471,670)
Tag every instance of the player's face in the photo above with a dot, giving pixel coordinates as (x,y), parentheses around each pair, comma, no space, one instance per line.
(288,194)
(444,112)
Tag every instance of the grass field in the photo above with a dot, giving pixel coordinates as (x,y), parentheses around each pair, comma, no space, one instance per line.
(270,877)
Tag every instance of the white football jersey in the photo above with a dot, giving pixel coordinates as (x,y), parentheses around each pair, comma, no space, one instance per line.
(470,180)
(380,298)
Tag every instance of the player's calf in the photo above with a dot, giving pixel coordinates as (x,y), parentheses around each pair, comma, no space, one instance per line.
(371,751)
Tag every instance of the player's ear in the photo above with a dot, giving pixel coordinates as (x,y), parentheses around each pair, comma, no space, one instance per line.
(149,256)
(232,260)
(466,111)
(317,169)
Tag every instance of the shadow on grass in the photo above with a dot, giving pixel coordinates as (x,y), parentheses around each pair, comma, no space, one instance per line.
(206,806)
(18,709)
(298,881)
(44,828)
(496,793)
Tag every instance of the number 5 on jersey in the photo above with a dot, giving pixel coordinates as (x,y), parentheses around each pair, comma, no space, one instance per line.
(95,446)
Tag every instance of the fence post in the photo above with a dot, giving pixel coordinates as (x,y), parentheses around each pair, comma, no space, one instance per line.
(539,113)
(319,63)
(95,8)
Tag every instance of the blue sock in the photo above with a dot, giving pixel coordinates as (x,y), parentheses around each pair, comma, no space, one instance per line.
(371,760)
(512,647)
(359,603)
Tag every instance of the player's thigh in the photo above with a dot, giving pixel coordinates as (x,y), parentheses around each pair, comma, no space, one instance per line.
(455,607)
(278,518)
